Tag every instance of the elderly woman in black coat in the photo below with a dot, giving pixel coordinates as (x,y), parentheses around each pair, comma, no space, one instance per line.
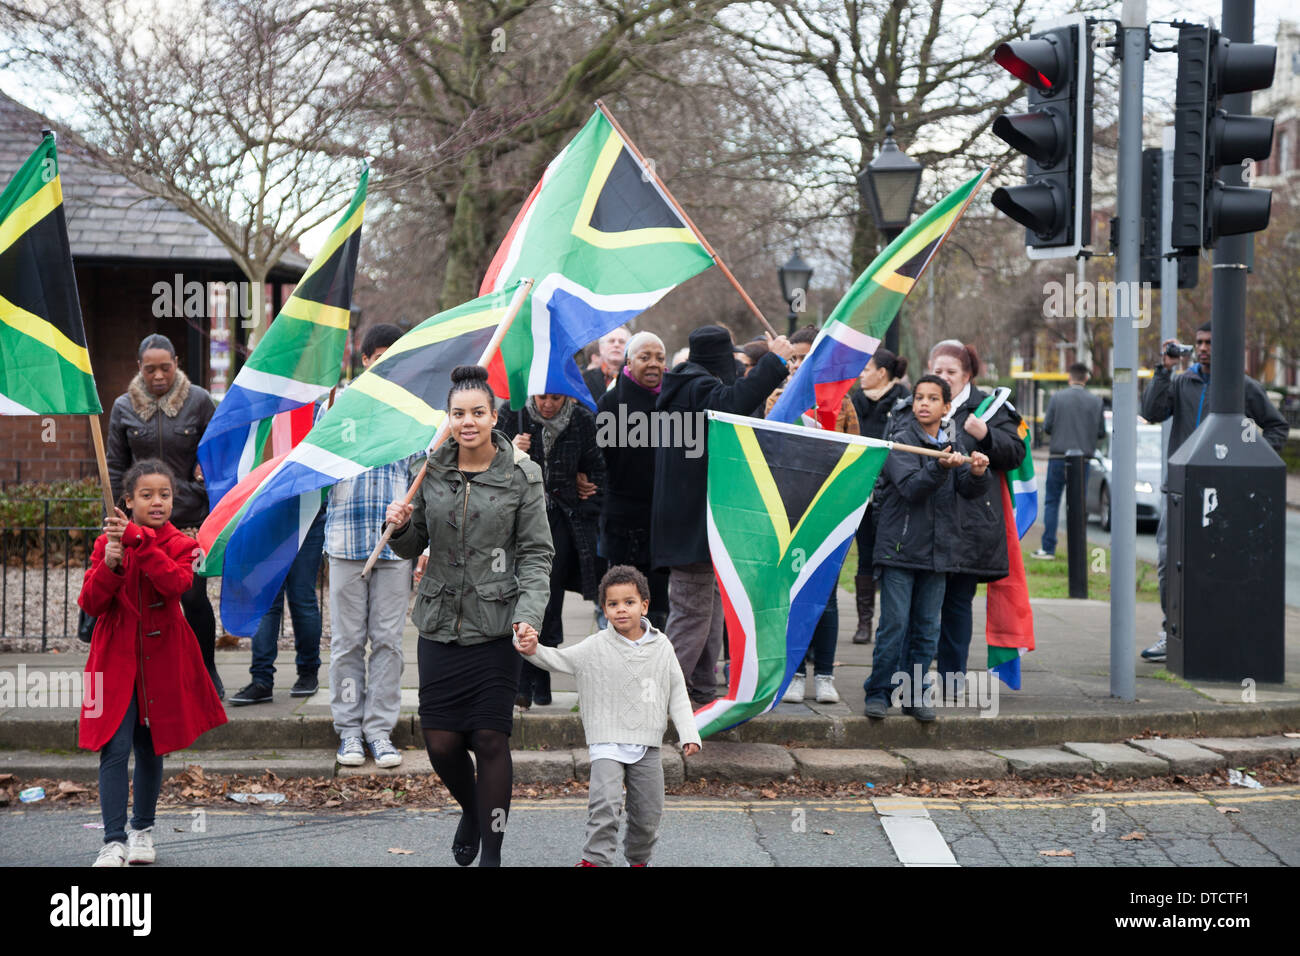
(559,434)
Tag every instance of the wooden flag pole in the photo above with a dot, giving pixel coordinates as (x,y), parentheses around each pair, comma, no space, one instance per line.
(106,485)
(521,295)
(686,219)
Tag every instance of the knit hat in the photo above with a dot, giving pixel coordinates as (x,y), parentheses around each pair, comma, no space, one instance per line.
(711,348)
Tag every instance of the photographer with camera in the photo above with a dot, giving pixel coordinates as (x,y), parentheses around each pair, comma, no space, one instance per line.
(1185,399)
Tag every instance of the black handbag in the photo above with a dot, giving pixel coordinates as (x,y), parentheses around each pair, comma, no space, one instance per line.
(85,626)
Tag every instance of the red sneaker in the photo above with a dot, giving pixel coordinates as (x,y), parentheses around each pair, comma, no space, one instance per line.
(638,864)
(583,863)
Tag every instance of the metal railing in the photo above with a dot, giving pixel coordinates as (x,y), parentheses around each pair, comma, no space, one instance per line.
(12,469)
(16,545)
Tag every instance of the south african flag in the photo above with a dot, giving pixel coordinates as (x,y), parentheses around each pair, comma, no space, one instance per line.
(44,362)
(783,505)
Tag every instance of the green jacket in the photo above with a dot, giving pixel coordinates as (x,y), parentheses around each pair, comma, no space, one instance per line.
(490,564)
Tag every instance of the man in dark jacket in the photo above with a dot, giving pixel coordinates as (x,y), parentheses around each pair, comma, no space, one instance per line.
(623,430)
(679,540)
(1185,399)
(1075,421)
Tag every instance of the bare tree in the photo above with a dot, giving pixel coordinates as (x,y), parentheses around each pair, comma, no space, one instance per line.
(233,110)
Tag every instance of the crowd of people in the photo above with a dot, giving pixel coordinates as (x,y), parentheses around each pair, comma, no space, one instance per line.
(516,509)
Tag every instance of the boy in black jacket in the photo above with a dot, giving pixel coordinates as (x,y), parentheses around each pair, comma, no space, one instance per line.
(916,546)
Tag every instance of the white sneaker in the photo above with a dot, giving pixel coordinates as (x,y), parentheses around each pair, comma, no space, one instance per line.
(794,693)
(111,854)
(351,752)
(386,755)
(139,846)
(826,692)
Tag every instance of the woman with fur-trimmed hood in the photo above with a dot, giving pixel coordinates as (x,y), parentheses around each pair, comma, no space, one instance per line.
(163,415)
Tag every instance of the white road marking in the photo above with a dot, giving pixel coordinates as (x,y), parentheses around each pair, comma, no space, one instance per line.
(912,834)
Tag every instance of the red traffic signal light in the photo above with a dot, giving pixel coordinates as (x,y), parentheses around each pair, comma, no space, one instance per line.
(1037,61)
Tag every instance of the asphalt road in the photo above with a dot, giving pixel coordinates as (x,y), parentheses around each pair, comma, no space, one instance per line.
(1177,829)
(1146,545)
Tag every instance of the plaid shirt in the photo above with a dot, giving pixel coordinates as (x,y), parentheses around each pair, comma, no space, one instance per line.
(357,507)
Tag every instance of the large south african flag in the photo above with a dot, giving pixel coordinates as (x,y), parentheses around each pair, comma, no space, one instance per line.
(392,410)
(604,244)
(782,508)
(268,407)
(853,332)
(1009,617)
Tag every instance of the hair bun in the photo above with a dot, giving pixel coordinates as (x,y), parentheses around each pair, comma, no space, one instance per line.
(469,373)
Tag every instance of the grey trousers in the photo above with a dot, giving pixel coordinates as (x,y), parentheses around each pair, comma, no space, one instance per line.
(645,807)
(365,702)
(1162,558)
(695,628)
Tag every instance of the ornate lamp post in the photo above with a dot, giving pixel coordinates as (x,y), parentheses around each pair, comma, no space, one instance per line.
(888,187)
(794,277)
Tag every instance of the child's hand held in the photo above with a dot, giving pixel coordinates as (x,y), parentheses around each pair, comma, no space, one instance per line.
(690,750)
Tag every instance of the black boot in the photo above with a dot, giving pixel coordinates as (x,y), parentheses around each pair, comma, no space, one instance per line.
(524,696)
(542,687)
(865,586)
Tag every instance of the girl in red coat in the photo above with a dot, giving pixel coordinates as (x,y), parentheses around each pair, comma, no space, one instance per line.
(156,696)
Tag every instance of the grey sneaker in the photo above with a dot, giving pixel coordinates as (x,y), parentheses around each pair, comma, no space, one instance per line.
(351,752)
(386,755)
(1156,652)
(877,708)
(111,854)
(922,713)
(826,692)
(795,692)
(139,846)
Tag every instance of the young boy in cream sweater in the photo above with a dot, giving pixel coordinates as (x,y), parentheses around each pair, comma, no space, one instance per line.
(629,684)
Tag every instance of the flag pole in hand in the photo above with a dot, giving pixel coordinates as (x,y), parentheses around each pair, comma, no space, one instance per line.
(517,303)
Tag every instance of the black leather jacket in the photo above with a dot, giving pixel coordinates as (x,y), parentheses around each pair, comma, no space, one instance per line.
(143,426)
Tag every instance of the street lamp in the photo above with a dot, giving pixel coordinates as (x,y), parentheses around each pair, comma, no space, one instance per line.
(888,187)
(794,277)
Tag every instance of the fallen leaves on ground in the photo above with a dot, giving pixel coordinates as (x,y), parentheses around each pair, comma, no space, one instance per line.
(829,832)
(1228,809)
(1056,853)
(1135,835)
(399,851)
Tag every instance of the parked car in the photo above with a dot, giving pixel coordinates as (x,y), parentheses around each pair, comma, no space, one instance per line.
(1147,486)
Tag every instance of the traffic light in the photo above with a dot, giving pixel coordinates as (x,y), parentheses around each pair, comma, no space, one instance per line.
(1055,203)
(1152,254)
(1207,138)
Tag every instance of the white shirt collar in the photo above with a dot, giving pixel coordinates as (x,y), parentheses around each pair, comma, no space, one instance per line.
(958,401)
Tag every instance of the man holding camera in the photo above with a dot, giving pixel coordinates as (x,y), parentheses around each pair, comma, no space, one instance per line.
(1185,399)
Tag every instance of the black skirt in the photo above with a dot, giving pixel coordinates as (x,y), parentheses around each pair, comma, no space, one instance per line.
(468,688)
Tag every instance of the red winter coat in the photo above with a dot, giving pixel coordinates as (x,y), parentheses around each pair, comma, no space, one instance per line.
(143,642)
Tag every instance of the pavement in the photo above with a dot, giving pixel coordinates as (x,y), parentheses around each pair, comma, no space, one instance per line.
(1065,701)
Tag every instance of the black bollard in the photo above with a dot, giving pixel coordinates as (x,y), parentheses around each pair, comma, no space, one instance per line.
(1076,524)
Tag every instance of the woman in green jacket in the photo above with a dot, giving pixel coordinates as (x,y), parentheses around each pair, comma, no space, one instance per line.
(482,511)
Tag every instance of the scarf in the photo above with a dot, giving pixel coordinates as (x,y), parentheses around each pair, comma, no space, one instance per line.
(655,390)
(551,427)
(875,394)
(958,401)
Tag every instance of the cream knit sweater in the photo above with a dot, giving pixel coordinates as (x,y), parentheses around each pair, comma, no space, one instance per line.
(626,693)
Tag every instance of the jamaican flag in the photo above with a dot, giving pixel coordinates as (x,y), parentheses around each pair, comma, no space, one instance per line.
(604,243)
(783,504)
(268,407)
(44,364)
(853,332)
(391,411)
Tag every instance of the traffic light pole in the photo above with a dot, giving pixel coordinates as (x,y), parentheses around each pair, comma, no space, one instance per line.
(1228,312)
(1124,364)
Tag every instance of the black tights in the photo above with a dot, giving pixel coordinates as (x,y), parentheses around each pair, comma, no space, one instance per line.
(485,802)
